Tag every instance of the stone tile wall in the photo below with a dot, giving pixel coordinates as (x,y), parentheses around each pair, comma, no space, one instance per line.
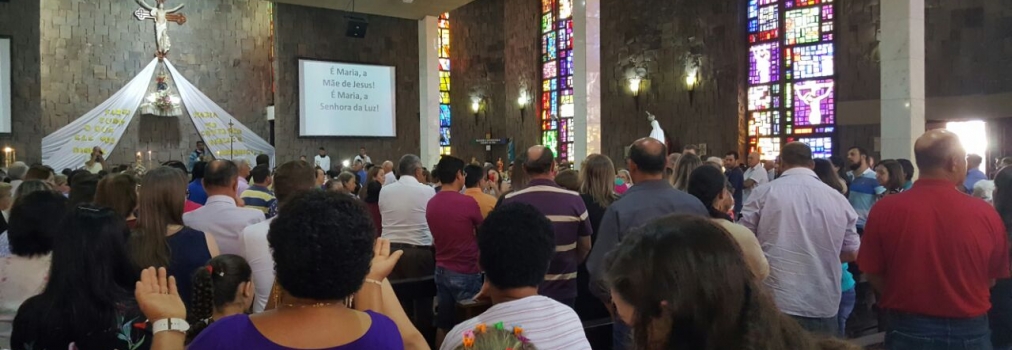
(313,33)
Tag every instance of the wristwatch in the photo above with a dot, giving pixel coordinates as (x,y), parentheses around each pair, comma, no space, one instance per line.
(170,324)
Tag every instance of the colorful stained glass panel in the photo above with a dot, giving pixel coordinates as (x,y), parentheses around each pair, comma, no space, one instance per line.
(814,61)
(814,103)
(764,63)
(822,147)
(802,26)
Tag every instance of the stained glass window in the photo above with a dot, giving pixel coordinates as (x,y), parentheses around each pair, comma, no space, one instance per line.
(814,61)
(445,117)
(791,87)
(557,101)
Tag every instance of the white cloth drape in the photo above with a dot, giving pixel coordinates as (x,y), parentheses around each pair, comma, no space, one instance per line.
(103,126)
(212,124)
(71,145)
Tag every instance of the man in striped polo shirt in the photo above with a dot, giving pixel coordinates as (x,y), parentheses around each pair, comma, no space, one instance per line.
(568,214)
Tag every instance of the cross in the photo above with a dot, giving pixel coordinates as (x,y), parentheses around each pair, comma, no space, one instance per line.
(161,16)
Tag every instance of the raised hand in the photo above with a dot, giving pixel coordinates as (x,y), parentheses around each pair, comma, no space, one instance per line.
(383,261)
(157,295)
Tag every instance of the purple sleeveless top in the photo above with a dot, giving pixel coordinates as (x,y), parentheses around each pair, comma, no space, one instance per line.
(238,332)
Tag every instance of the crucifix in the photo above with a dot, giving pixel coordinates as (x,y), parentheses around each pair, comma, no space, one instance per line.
(162,17)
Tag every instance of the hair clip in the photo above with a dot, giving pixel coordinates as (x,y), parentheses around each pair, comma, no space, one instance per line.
(518,330)
(210,269)
(481,328)
(500,326)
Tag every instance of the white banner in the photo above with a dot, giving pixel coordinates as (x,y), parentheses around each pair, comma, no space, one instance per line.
(70,147)
(212,125)
(103,126)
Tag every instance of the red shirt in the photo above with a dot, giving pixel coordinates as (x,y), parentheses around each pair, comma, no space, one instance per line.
(937,250)
(452,219)
(190,206)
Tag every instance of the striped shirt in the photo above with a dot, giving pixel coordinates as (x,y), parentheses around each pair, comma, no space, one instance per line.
(568,214)
(260,198)
(548,324)
(863,194)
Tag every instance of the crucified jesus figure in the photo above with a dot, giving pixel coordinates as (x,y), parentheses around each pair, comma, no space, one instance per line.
(162,17)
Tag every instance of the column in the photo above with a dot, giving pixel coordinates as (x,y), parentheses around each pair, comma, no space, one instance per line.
(902,51)
(586,78)
(428,101)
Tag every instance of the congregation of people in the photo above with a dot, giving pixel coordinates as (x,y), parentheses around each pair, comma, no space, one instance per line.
(673,249)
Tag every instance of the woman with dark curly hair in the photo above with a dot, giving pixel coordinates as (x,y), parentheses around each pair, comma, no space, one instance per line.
(681,283)
(324,252)
(222,288)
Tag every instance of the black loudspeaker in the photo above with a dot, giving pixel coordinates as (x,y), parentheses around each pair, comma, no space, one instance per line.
(357,26)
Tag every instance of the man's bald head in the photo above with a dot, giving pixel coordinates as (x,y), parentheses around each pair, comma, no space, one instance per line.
(540,161)
(220,174)
(938,152)
(648,155)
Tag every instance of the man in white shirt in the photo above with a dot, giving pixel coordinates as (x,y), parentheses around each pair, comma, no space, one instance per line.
(390,177)
(519,230)
(755,175)
(322,160)
(220,216)
(289,179)
(363,157)
(402,206)
(806,229)
(244,170)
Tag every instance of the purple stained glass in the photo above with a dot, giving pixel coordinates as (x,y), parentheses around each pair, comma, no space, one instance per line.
(814,102)
(764,63)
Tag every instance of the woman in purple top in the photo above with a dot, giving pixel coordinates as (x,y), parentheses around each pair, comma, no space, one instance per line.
(323,246)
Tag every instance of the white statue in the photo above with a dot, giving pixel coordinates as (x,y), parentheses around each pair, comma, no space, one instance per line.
(816,92)
(655,128)
(162,18)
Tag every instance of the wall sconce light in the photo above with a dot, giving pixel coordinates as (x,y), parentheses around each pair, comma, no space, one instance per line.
(476,106)
(691,80)
(634,87)
(522,103)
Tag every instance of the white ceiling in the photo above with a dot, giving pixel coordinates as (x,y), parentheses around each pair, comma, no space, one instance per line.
(418,9)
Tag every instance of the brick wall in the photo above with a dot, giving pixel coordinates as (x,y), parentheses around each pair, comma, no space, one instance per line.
(319,34)
(91,49)
(496,49)
(664,37)
(19,20)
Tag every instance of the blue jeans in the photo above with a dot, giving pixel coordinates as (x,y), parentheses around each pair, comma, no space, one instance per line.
(452,287)
(916,332)
(847,301)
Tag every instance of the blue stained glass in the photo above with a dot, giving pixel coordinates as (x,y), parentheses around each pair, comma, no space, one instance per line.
(551,44)
(444,136)
(444,115)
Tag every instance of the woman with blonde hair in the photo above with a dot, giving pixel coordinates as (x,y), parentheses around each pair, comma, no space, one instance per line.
(683,169)
(597,180)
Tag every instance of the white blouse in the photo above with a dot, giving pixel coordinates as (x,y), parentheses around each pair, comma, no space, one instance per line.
(22,278)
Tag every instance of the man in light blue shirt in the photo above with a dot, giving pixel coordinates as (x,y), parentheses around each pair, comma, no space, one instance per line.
(973,173)
(862,194)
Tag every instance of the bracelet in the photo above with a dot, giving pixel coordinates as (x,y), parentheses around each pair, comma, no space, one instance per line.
(370,280)
(170,324)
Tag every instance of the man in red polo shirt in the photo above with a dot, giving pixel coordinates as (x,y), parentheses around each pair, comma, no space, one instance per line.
(453,218)
(934,253)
